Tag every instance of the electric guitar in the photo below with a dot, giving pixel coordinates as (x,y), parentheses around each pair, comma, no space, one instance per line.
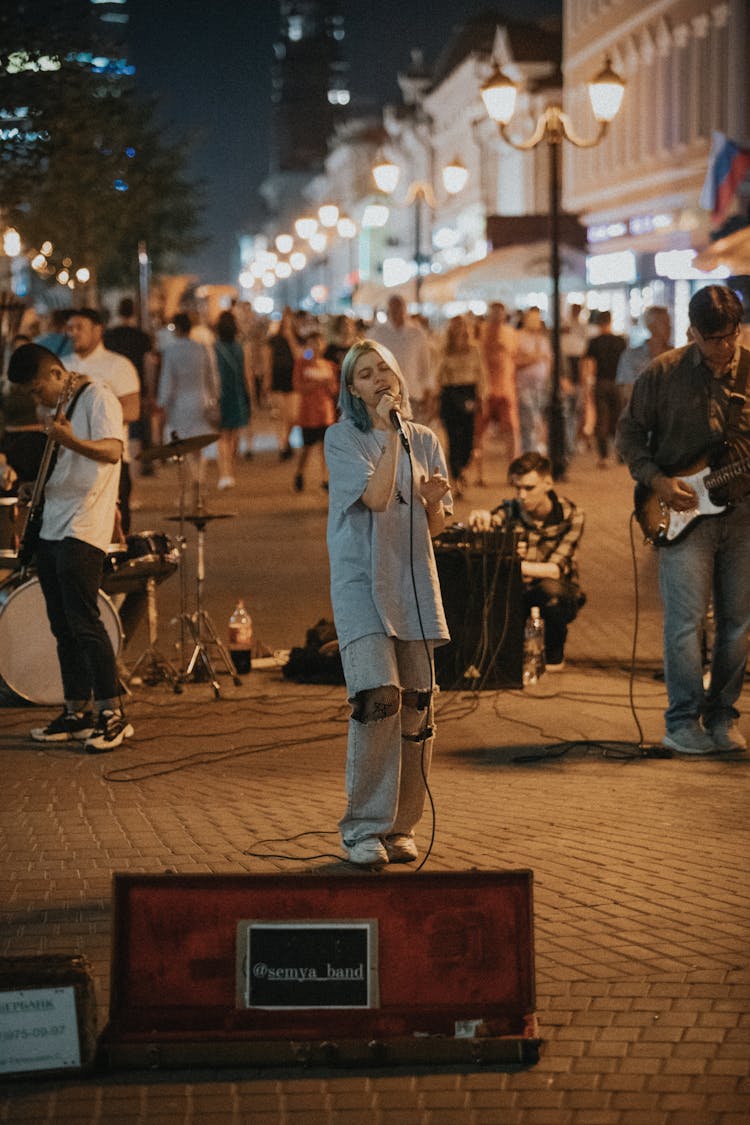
(33,527)
(662,525)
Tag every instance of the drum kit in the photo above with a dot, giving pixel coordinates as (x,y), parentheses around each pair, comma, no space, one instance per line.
(28,655)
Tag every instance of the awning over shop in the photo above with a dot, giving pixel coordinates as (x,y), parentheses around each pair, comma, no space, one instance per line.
(506,274)
(732,251)
(369,294)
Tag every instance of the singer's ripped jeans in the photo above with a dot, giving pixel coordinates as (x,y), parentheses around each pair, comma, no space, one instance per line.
(712,559)
(388,683)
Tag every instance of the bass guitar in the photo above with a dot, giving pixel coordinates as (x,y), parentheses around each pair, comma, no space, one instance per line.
(30,536)
(662,525)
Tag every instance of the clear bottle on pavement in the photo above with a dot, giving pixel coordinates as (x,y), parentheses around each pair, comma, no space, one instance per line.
(241,638)
(533,647)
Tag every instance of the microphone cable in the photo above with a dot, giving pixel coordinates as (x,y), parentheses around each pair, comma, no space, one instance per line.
(427,731)
(644,751)
(627,751)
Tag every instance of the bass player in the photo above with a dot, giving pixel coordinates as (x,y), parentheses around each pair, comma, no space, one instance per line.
(79,489)
(689,414)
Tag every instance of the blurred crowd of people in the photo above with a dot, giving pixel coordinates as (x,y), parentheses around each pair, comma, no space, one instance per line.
(468,377)
(472,376)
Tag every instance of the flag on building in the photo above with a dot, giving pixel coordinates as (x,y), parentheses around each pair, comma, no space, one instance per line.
(728,164)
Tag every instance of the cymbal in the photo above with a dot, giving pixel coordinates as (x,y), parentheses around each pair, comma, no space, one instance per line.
(177,447)
(202,517)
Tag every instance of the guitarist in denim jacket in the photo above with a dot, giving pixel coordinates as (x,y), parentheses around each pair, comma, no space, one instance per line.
(685,437)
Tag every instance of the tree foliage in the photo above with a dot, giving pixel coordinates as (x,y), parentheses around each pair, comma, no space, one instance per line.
(85,164)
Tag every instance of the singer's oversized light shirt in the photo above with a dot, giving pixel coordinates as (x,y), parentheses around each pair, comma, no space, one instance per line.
(372,554)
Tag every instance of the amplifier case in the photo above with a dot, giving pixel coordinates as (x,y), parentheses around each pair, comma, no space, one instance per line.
(482,595)
(455,956)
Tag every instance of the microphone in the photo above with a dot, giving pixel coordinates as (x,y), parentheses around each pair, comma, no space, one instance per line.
(509,509)
(398,425)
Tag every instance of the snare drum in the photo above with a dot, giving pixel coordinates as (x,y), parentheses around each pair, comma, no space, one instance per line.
(28,651)
(148,554)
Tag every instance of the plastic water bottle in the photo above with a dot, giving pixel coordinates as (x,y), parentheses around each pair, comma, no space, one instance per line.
(533,647)
(241,638)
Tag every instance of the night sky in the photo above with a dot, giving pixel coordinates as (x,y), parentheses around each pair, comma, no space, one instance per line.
(210,62)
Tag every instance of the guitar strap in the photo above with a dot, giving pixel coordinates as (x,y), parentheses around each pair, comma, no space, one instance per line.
(30,536)
(738,396)
(68,415)
(735,443)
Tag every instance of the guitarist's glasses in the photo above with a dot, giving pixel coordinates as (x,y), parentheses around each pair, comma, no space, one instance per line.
(729,337)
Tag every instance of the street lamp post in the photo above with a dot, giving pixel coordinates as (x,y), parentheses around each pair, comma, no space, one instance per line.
(499,95)
(386,176)
(347,230)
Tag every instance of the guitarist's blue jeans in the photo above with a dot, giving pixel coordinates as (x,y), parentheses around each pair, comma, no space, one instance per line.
(713,558)
(70,573)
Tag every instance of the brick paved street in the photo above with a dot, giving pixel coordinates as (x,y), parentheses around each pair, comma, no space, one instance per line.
(641,892)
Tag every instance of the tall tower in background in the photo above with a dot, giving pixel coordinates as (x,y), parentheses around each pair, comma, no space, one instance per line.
(109,24)
(310,91)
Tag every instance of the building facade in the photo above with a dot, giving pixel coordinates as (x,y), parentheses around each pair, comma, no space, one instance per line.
(639,192)
(632,220)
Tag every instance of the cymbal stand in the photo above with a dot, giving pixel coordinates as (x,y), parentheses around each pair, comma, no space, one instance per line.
(202,627)
(182,546)
(157,667)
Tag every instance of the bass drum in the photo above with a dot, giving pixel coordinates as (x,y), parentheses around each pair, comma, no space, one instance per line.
(28,652)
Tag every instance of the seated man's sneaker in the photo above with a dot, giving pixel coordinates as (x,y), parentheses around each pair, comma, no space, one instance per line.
(367,853)
(689,739)
(68,725)
(726,737)
(401,849)
(111,728)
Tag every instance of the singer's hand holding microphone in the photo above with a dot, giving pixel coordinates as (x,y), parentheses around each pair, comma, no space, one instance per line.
(388,409)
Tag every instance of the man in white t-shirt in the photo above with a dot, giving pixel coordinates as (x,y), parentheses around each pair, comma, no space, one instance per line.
(80,497)
(114,371)
(408,341)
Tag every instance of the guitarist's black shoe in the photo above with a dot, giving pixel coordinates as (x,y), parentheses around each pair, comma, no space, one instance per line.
(111,728)
(68,725)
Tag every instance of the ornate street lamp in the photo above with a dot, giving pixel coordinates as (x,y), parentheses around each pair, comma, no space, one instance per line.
(346,227)
(455,176)
(328,213)
(606,92)
(306,227)
(386,175)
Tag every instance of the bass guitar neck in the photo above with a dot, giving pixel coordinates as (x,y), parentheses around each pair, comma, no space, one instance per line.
(33,527)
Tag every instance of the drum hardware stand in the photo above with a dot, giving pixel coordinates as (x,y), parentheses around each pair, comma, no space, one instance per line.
(175,450)
(182,544)
(158,667)
(123,677)
(199,623)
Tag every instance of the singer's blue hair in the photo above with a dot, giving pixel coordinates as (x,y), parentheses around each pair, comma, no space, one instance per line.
(354,408)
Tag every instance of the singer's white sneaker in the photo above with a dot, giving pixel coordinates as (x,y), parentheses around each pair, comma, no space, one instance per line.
(368,852)
(401,849)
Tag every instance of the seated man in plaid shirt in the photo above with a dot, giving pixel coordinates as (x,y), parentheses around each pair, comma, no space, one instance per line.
(548,529)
